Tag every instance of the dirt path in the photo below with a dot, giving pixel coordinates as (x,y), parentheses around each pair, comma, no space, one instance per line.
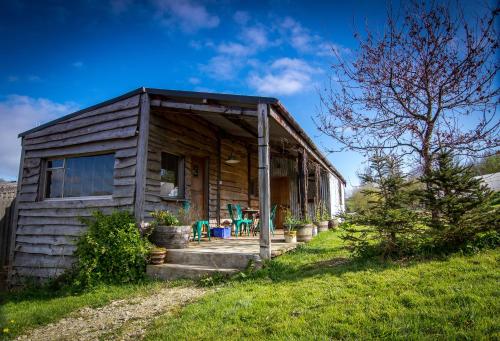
(120,320)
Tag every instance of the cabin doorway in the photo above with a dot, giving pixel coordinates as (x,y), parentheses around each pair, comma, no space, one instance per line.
(280,195)
(199,186)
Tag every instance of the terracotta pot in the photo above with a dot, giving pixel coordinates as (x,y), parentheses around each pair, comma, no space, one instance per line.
(291,237)
(158,256)
(171,237)
(304,232)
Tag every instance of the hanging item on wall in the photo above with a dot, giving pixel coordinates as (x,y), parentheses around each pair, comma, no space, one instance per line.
(196,170)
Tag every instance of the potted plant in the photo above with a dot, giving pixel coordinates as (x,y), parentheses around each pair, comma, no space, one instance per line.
(171,231)
(322,218)
(290,223)
(304,230)
(157,255)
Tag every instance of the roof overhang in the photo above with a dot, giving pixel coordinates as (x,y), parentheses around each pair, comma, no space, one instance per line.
(244,103)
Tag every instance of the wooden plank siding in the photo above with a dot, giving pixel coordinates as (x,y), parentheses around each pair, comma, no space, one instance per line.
(47,229)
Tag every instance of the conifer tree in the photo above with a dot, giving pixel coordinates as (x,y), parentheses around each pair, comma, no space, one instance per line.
(464,204)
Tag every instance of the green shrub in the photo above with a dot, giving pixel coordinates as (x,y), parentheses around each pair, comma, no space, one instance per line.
(112,251)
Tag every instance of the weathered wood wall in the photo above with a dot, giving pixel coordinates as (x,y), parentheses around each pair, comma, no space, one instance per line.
(47,229)
(186,136)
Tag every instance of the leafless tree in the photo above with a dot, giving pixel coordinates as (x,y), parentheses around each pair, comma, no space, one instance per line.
(425,84)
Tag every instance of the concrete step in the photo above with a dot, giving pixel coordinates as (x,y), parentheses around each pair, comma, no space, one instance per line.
(210,258)
(175,271)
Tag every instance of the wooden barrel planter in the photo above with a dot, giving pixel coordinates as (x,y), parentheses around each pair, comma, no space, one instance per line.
(171,237)
(322,226)
(304,232)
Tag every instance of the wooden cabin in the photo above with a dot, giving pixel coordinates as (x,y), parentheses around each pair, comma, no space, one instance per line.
(155,149)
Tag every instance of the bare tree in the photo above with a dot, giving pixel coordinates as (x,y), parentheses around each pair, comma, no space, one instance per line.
(424,85)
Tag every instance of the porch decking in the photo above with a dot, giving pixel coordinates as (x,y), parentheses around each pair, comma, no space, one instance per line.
(216,256)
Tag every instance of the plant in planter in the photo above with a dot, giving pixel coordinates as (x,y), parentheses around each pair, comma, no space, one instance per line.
(304,229)
(171,231)
(157,255)
(321,217)
(290,224)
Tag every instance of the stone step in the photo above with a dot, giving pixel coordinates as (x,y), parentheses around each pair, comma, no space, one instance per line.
(210,258)
(169,272)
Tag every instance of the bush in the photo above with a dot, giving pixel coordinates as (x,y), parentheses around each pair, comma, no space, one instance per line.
(112,251)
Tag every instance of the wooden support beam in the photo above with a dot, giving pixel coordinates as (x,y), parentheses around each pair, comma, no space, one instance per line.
(142,157)
(205,108)
(303,182)
(317,179)
(219,177)
(264,183)
(297,137)
(242,124)
(249,175)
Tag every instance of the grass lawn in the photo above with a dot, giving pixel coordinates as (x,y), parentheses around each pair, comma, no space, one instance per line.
(317,293)
(29,309)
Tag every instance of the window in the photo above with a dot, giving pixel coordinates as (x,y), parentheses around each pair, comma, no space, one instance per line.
(81,176)
(172,176)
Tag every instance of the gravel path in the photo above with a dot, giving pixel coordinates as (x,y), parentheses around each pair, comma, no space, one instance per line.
(120,320)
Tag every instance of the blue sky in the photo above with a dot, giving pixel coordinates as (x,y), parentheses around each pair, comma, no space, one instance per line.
(59,56)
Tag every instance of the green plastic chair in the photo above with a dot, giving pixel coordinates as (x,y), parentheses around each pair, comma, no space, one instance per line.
(198,228)
(238,220)
(271,220)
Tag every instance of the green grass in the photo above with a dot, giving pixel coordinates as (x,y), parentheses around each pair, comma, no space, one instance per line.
(32,308)
(317,293)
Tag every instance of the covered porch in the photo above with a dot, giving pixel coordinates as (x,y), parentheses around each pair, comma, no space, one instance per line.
(226,256)
(227,149)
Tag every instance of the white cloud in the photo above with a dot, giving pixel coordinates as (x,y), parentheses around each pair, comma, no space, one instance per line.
(78,64)
(241,17)
(18,114)
(234,49)
(13,78)
(285,76)
(189,15)
(194,80)
(222,67)
(256,36)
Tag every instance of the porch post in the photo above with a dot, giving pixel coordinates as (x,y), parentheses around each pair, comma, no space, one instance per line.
(264,186)
(303,182)
(142,157)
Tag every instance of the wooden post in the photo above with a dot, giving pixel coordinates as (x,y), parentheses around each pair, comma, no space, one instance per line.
(142,157)
(264,185)
(317,179)
(303,182)
(15,217)
(249,176)
(219,177)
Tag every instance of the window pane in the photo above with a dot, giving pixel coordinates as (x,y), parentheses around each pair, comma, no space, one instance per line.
(55,163)
(170,177)
(54,183)
(89,176)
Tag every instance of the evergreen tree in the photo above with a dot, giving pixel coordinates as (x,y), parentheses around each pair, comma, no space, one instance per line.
(464,205)
(389,227)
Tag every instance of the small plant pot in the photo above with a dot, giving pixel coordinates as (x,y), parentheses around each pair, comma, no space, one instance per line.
(322,226)
(333,224)
(291,237)
(157,256)
(304,232)
(171,237)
